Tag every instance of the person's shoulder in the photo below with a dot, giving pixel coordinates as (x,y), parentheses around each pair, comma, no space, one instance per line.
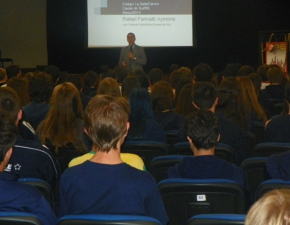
(31,145)
(79,160)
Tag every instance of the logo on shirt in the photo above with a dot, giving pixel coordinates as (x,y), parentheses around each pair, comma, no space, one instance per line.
(8,168)
(17,166)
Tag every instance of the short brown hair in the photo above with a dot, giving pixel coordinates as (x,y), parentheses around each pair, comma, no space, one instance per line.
(9,102)
(105,120)
(275,75)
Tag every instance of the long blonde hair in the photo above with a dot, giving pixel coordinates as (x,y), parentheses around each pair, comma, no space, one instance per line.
(63,123)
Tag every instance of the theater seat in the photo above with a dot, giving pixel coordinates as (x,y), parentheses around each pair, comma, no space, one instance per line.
(18,218)
(100,219)
(217,219)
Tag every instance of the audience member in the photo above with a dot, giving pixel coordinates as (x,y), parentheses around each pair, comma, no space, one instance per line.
(183,104)
(3,77)
(277,166)
(121,73)
(246,70)
(109,86)
(231,105)
(63,127)
(76,81)
(181,83)
(13,71)
(272,209)
(40,89)
(278,128)
(143,127)
(202,72)
(250,99)
(91,82)
(205,96)
(15,196)
(162,101)
(129,83)
(20,85)
(155,75)
(231,70)
(29,158)
(54,72)
(202,131)
(121,189)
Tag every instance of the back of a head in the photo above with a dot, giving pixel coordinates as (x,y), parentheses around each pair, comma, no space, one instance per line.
(141,104)
(75,80)
(204,94)
(9,103)
(203,72)
(3,75)
(184,104)
(203,128)
(144,81)
(8,134)
(20,85)
(162,96)
(173,67)
(105,120)
(13,70)
(232,70)
(129,84)
(181,83)
(109,86)
(121,73)
(229,90)
(257,81)
(40,87)
(90,78)
(262,71)
(246,70)
(155,75)
(108,73)
(275,75)
(53,71)
(272,209)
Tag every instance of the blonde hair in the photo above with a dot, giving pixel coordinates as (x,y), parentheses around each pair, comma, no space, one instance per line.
(272,209)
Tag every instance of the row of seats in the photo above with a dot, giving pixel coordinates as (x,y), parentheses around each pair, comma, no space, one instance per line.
(15,218)
(185,198)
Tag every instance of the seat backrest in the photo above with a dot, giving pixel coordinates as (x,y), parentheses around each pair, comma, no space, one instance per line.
(217,219)
(250,142)
(19,218)
(269,185)
(42,186)
(254,172)
(160,165)
(267,149)
(222,151)
(259,131)
(172,137)
(184,198)
(98,219)
(147,150)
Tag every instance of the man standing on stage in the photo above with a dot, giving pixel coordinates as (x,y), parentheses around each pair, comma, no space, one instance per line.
(132,56)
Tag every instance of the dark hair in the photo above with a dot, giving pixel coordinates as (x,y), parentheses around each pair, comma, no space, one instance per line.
(12,70)
(141,110)
(203,129)
(9,103)
(40,87)
(162,96)
(8,134)
(246,70)
(132,34)
(203,72)
(20,85)
(53,71)
(121,73)
(262,71)
(184,103)
(155,75)
(275,75)
(129,84)
(232,70)
(257,81)
(75,80)
(144,81)
(204,94)
(181,83)
(90,78)
(285,110)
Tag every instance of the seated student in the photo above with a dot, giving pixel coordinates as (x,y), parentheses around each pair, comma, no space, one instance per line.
(15,196)
(104,184)
(278,128)
(202,130)
(277,166)
(30,158)
(205,96)
(273,209)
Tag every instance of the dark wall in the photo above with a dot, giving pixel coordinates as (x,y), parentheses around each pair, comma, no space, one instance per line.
(226,31)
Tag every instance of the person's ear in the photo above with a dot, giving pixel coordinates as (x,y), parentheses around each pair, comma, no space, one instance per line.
(128,126)
(195,106)
(216,101)
(86,131)
(219,137)
(189,139)
(8,154)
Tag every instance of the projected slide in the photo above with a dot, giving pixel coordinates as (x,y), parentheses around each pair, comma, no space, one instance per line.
(155,23)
